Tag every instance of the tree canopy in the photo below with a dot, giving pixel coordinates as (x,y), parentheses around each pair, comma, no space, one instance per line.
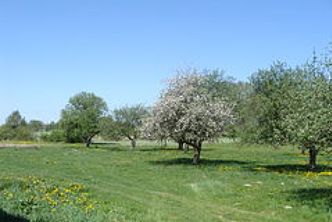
(292,105)
(187,112)
(81,118)
(129,120)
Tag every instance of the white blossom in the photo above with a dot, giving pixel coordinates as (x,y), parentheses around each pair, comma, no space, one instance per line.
(186,111)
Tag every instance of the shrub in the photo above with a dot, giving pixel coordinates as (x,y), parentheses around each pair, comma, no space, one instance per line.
(53,136)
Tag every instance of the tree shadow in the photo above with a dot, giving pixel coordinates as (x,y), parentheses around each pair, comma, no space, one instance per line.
(6,217)
(314,197)
(289,168)
(161,149)
(166,149)
(204,162)
(110,148)
(104,143)
(118,147)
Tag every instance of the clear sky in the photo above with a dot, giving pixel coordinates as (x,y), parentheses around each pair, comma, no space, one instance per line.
(123,50)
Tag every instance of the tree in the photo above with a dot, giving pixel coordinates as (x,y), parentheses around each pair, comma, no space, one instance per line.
(225,87)
(187,112)
(269,103)
(51,126)
(80,120)
(15,128)
(310,121)
(36,125)
(151,130)
(109,129)
(15,120)
(290,105)
(129,121)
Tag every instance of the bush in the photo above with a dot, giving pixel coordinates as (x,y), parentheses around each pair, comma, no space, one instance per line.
(53,136)
(19,133)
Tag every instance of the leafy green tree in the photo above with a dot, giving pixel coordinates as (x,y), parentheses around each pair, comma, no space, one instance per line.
(268,104)
(15,128)
(15,120)
(51,126)
(309,122)
(129,120)
(36,125)
(292,106)
(55,136)
(109,129)
(81,118)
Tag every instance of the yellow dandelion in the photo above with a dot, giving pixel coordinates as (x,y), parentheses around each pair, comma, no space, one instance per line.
(328,173)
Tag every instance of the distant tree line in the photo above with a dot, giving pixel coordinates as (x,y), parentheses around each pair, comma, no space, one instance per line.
(16,128)
(279,105)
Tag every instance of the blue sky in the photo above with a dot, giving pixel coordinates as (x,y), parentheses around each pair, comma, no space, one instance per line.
(123,50)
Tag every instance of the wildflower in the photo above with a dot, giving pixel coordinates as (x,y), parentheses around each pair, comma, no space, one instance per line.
(328,173)
(89,207)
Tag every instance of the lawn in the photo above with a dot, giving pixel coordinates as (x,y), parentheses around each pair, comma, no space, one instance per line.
(111,182)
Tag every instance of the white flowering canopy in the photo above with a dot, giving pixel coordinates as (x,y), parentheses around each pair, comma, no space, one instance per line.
(188,112)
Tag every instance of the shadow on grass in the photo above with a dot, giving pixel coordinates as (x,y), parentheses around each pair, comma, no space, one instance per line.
(166,149)
(203,162)
(159,149)
(289,168)
(5,217)
(110,148)
(118,147)
(105,144)
(314,197)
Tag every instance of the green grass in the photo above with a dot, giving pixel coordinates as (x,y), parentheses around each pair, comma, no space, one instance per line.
(233,182)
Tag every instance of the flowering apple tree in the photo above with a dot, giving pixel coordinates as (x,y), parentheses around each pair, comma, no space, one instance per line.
(188,112)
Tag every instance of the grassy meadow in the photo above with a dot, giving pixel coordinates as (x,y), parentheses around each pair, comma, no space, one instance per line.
(111,182)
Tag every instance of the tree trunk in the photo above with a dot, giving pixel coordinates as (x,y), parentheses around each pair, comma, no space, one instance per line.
(197,153)
(163,143)
(313,157)
(133,143)
(186,148)
(180,147)
(88,142)
(303,148)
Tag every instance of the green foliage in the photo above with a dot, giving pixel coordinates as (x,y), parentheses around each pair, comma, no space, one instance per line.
(222,87)
(291,106)
(23,133)
(36,125)
(16,128)
(310,120)
(51,126)
(268,104)
(288,106)
(109,129)
(15,120)
(80,120)
(56,135)
(129,120)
